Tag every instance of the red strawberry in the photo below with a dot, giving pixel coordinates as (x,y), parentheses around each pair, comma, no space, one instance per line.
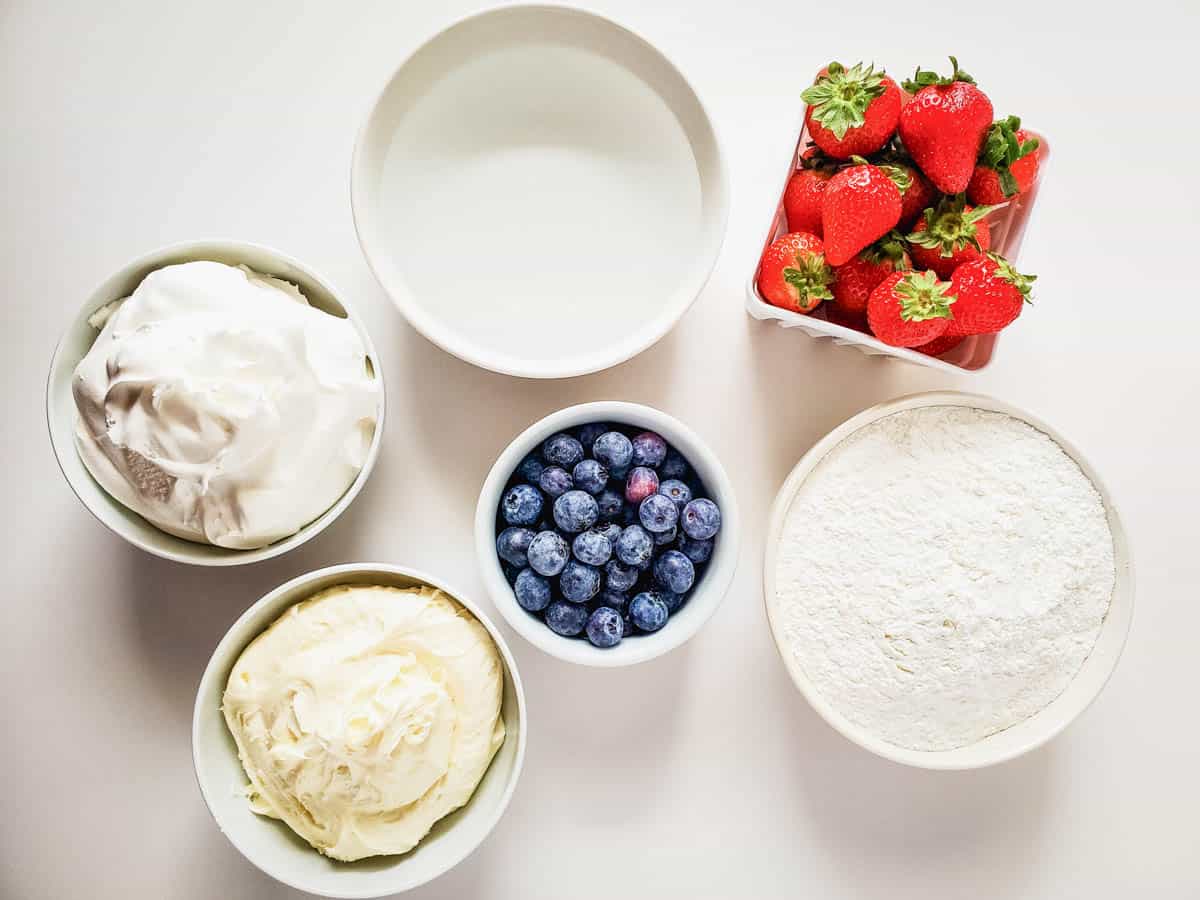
(862,204)
(944,126)
(861,275)
(949,235)
(909,309)
(919,196)
(1009,165)
(940,346)
(851,112)
(990,295)
(802,199)
(793,273)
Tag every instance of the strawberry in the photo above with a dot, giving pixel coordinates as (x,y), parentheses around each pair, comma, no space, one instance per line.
(861,275)
(1009,165)
(940,346)
(919,196)
(909,309)
(793,273)
(802,199)
(991,294)
(862,204)
(949,235)
(944,126)
(851,112)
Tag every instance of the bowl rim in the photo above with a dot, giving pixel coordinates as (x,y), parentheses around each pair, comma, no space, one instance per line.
(1122,601)
(223,656)
(681,299)
(717,579)
(175,548)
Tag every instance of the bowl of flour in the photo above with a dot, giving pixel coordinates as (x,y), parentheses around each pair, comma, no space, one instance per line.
(947,580)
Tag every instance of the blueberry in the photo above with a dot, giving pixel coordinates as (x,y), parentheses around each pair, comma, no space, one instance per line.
(658,513)
(532,590)
(610,503)
(615,599)
(562,450)
(589,433)
(666,537)
(673,600)
(567,619)
(642,482)
(604,627)
(675,490)
(674,466)
(615,451)
(576,511)
(521,505)
(547,553)
(612,531)
(590,476)
(592,548)
(648,611)
(512,544)
(675,572)
(634,546)
(555,481)
(701,519)
(696,551)
(626,626)
(620,576)
(530,469)
(579,583)
(649,450)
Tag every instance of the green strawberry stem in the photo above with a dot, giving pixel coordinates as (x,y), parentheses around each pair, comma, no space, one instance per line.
(1005,270)
(1001,149)
(950,227)
(923,297)
(839,98)
(925,78)
(889,248)
(811,277)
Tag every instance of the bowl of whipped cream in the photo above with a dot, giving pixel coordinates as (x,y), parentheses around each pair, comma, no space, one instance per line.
(216,403)
(359,730)
(947,580)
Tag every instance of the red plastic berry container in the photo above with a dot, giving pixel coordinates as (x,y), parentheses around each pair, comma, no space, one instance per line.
(1007,228)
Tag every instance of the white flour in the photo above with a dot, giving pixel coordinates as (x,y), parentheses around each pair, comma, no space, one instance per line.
(942,575)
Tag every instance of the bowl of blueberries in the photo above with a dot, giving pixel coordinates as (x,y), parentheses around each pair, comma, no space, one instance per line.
(607,533)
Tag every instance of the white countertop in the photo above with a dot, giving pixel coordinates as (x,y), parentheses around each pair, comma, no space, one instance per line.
(128,126)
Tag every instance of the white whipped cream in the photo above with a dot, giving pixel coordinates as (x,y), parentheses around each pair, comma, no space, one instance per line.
(222,407)
(364,715)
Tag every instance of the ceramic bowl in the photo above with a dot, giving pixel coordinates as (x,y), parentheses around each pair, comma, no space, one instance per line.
(1043,725)
(528,167)
(271,845)
(78,339)
(711,586)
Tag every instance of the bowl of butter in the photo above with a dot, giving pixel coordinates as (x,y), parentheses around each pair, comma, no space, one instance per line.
(359,730)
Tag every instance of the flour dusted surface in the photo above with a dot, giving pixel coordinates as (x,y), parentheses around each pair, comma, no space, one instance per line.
(942,575)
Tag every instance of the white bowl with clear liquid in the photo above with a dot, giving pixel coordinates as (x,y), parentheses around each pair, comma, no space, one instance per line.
(540,191)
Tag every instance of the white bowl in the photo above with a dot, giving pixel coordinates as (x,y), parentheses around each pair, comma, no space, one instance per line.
(268,843)
(532,170)
(1026,735)
(711,586)
(78,339)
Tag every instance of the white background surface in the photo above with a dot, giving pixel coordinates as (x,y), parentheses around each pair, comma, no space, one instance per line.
(702,774)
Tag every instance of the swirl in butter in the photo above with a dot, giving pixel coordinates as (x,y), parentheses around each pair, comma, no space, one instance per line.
(364,715)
